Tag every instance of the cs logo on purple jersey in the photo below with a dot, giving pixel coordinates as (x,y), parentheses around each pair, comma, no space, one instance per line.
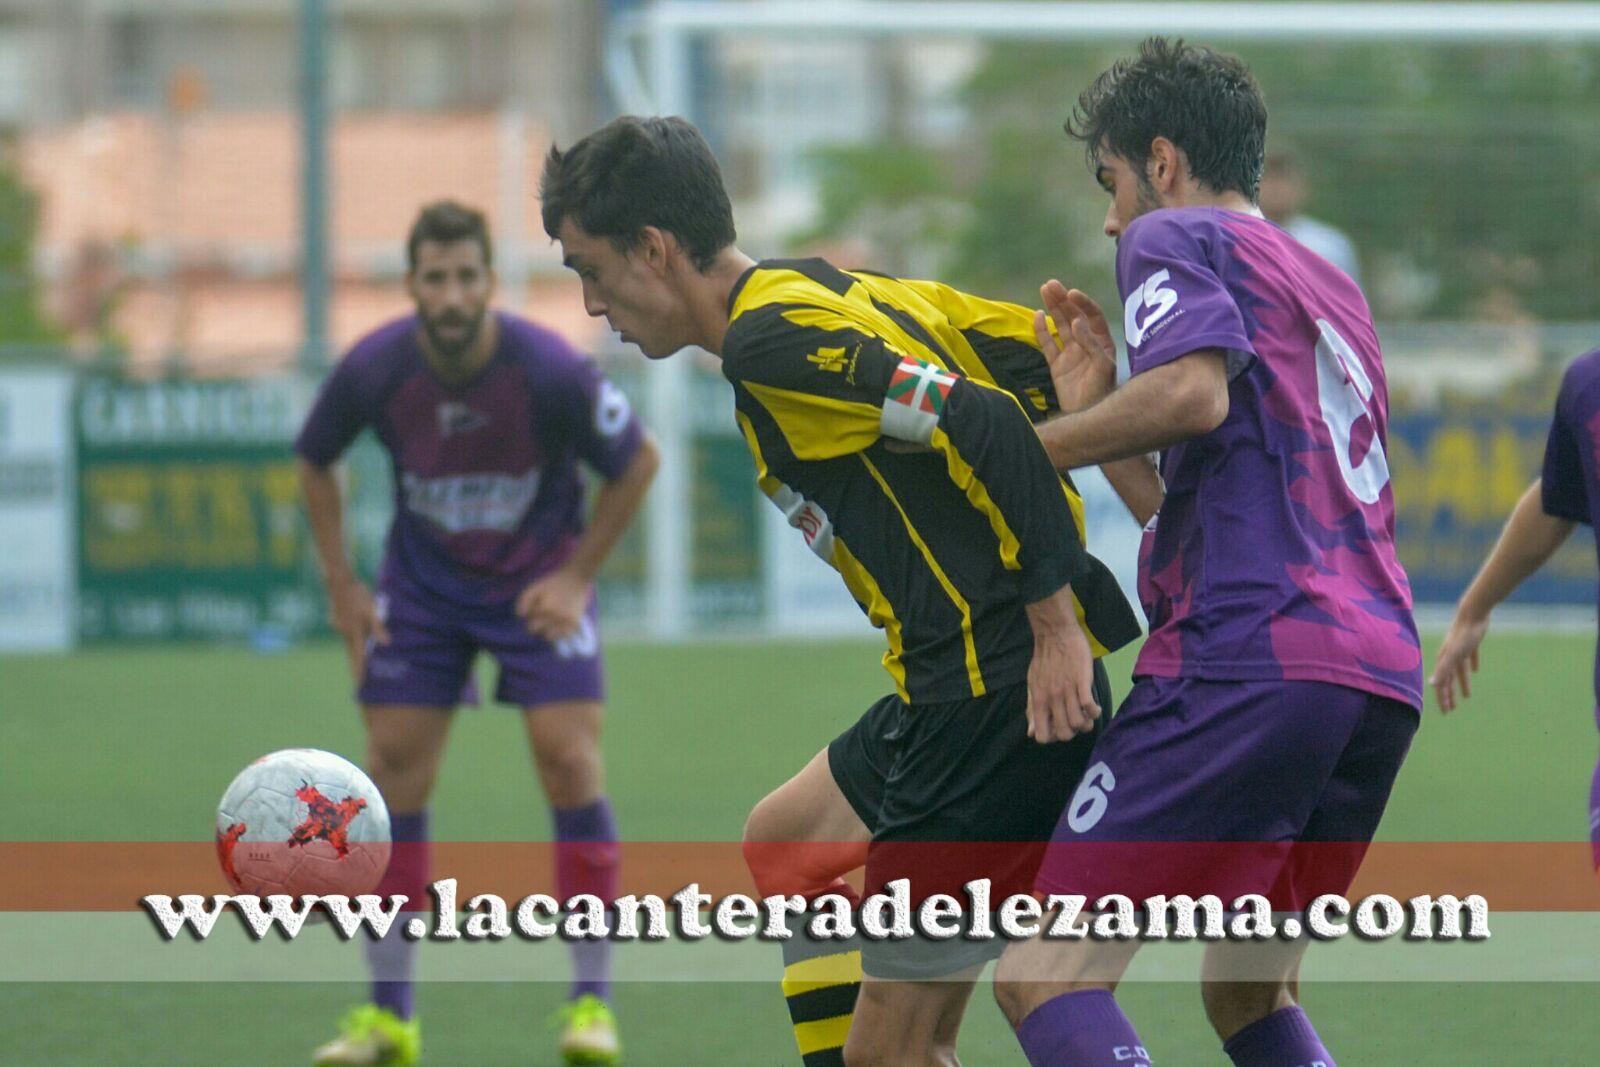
(455,417)
(611,411)
(1159,298)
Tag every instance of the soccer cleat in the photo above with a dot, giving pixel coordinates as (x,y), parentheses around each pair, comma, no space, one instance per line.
(372,1037)
(589,1033)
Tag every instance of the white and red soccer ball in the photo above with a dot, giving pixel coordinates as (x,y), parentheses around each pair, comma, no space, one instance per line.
(303,821)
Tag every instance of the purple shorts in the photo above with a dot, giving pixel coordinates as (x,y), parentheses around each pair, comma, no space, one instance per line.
(1231,787)
(428,660)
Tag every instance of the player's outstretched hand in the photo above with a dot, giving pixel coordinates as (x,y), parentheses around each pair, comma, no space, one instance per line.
(357,619)
(1083,363)
(1458,658)
(1061,701)
(553,606)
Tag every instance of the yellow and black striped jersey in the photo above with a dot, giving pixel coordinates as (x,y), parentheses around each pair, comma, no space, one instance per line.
(891,421)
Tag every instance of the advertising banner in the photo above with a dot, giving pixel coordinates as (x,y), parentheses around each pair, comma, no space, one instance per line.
(36,510)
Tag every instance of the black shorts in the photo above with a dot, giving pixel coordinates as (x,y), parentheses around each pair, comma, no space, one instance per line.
(954,792)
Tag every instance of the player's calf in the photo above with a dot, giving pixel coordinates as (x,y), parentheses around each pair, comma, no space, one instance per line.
(1033,972)
(564,739)
(1058,998)
(799,841)
(1232,1006)
(405,745)
(909,1024)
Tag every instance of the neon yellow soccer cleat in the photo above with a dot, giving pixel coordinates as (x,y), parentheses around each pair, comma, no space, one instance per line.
(589,1033)
(372,1037)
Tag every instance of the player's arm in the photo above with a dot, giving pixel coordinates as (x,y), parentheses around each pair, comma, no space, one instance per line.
(1529,539)
(553,606)
(614,508)
(1083,368)
(993,455)
(1152,411)
(1542,520)
(610,438)
(1071,343)
(1186,342)
(333,423)
(1138,484)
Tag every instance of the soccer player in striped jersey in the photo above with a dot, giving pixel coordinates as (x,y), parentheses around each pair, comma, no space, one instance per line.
(486,418)
(893,423)
(1566,493)
(1277,694)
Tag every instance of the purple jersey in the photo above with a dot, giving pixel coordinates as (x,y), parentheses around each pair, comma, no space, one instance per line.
(1571,479)
(1273,554)
(488,495)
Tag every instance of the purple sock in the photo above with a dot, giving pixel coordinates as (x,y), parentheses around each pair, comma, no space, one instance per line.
(392,959)
(588,860)
(1084,1029)
(1285,1038)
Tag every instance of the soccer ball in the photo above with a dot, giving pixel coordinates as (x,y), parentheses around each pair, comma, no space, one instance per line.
(303,821)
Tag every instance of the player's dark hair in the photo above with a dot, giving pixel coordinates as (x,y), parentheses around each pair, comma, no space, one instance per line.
(632,173)
(448,221)
(1205,102)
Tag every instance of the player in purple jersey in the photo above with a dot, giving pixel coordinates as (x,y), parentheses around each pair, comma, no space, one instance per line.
(1566,493)
(1279,689)
(486,418)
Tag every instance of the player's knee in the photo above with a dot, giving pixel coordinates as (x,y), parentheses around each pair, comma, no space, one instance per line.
(570,770)
(781,858)
(1011,990)
(1232,1006)
(899,1057)
(862,1049)
(903,1037)
(1012,996)
(1032,972)
(400,769)
(765,853)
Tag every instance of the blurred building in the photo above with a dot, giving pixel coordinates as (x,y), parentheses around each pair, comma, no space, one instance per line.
(62,60)
(163,140)
(779,100)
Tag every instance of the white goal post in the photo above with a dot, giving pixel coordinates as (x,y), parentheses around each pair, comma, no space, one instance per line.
(647,64)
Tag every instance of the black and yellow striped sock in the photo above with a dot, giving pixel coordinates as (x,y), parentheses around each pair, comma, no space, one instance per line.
(820,982)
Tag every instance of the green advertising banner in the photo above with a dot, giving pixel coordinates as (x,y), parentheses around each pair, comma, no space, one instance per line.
(189,510)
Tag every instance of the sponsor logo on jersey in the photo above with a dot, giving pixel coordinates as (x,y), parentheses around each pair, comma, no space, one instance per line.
(915,399)
(459,503)
(828,359)
(456,418)
(1153,295)
(808,517)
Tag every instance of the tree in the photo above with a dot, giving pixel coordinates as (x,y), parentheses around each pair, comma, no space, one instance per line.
(21,320)
(1460,171)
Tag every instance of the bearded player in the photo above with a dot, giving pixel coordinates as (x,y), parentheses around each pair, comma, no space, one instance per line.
(486,418)
(1566,493)
(1277,694)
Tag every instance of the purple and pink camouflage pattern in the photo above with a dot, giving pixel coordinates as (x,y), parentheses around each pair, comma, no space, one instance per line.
(488,494)
(1273,554)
